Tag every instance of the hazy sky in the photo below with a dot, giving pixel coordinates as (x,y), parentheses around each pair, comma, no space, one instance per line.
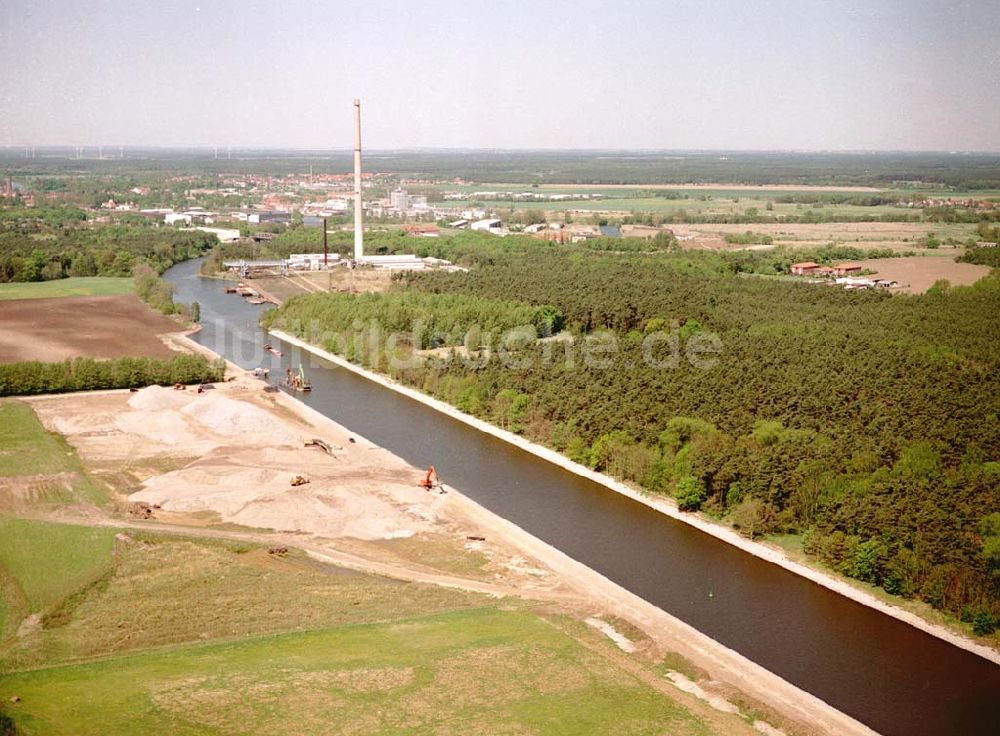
(778,74)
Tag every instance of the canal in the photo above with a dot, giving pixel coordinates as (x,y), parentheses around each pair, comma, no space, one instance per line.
(881,671)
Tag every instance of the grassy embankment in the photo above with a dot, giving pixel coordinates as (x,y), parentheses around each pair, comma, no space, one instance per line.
(74,286)
(44,563)
(38,469)
(40,463)
(498,669)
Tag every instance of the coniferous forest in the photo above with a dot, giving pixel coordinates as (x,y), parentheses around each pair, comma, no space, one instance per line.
(864,422)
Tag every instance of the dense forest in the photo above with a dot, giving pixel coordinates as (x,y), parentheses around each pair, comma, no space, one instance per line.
(865,422)
(53,243)
(885,169)
(470,249)
(433,320)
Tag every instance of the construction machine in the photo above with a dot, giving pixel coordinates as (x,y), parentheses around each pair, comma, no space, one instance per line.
(297,381)
(325,446)
(432,480)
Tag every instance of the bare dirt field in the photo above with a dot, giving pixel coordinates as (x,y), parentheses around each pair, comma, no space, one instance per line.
(868,235)
(68,327)
(282,288)
(919,273)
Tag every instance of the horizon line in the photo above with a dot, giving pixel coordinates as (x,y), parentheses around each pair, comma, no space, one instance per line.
(224,150)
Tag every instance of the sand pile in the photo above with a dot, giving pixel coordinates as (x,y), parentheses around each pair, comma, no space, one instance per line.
(230,418)
(252,487)
(247,457)
(170,417)
(167,428)
(158,398)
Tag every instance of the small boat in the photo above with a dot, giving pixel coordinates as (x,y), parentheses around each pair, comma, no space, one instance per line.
(274,351)
(229,289)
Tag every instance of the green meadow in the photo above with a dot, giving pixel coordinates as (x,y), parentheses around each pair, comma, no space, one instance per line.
(477,671)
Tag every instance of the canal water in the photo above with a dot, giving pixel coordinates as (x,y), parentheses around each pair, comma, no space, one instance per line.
(886,674)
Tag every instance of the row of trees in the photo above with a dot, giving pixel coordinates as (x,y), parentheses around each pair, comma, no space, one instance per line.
(85,374)
(806,217)
(855,200)
(749,238)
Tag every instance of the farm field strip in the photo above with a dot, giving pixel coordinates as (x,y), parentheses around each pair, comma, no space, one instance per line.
(54,329)
(73,286)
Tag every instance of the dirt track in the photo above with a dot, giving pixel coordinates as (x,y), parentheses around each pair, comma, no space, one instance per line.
(91,326)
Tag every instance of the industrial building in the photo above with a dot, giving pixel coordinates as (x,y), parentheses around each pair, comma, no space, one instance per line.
(224,234)
(325,260)
(312,261)
(488,225)
(422,231)
(401,202)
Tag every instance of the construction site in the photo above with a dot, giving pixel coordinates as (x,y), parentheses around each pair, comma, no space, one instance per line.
(258,463)
(233,463)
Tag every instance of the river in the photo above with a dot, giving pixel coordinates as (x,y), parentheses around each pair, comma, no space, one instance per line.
(877,669)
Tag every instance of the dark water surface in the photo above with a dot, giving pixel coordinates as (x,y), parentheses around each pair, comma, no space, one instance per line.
(891,676)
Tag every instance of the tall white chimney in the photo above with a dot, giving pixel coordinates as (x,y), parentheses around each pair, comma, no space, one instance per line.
(359,233)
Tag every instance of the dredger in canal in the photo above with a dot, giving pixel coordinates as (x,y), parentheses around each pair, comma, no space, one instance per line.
(297,381)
